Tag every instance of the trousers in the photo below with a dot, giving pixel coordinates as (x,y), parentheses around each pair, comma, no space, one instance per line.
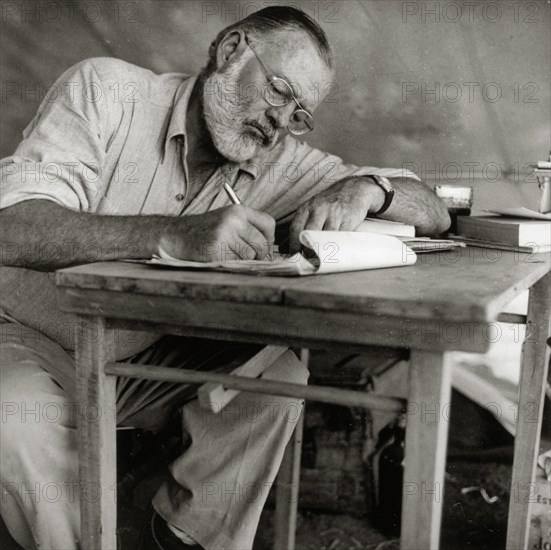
(214,491)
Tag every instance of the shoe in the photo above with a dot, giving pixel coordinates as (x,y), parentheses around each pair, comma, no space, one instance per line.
(157,536)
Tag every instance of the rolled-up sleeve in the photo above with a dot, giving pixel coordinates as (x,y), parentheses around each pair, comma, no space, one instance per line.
(300,172)
(63,148)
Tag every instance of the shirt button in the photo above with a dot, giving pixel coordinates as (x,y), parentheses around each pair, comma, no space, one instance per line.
(180,197)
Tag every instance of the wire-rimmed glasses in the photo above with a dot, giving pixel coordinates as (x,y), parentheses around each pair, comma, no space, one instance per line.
(278,92)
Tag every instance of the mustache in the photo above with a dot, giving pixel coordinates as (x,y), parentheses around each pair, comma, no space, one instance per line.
(267,129)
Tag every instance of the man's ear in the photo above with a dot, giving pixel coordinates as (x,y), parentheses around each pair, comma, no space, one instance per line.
(230,48)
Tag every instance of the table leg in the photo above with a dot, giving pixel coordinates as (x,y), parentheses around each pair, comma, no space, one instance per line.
(425,451)
(287,485)
(535,364)
(96,394)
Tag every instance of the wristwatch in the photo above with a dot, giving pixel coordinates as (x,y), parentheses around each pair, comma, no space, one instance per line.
(386,186)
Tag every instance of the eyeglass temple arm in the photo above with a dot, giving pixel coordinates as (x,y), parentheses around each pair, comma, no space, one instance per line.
(269,73)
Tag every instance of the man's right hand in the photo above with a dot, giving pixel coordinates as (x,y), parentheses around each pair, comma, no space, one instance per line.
(233,232)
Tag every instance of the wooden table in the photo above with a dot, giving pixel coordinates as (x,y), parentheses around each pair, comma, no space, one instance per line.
(447,301)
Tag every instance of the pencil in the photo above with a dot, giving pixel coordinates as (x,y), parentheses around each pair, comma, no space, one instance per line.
(236,200)
(231,194)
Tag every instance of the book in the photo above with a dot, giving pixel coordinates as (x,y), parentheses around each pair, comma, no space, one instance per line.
(505,230)
(327,252)
(386,227)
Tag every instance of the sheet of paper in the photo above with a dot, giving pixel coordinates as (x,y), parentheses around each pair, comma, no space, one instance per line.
(424,245)
(520,212)
(281,265)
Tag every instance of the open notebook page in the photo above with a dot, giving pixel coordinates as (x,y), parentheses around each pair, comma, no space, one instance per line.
(333,252)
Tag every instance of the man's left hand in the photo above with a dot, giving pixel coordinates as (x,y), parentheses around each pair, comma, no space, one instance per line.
(342,207)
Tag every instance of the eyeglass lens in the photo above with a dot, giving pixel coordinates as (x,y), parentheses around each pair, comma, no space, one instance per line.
(279,93)
(301,122)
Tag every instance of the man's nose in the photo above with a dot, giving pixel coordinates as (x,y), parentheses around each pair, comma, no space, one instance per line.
(281,116)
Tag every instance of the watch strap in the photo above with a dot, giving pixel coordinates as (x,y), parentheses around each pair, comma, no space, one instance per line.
(385,185)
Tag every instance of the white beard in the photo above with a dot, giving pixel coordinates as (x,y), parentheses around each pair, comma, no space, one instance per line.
(225,112)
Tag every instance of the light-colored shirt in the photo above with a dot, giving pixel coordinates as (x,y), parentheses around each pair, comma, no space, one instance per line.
(110,138)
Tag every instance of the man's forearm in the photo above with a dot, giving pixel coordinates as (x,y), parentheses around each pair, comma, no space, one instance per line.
(42,235)
(416,204)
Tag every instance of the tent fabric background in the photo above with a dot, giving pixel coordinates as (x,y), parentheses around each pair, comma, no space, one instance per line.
(388,54)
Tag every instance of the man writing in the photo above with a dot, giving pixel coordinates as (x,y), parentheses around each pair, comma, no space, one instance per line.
(96,179)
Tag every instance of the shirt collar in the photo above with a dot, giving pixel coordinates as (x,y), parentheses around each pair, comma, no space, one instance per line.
(177,128)
(177,124)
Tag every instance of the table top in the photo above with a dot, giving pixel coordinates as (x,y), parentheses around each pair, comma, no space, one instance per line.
(465,285)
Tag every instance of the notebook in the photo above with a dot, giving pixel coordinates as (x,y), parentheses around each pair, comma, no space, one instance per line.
(329,252)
